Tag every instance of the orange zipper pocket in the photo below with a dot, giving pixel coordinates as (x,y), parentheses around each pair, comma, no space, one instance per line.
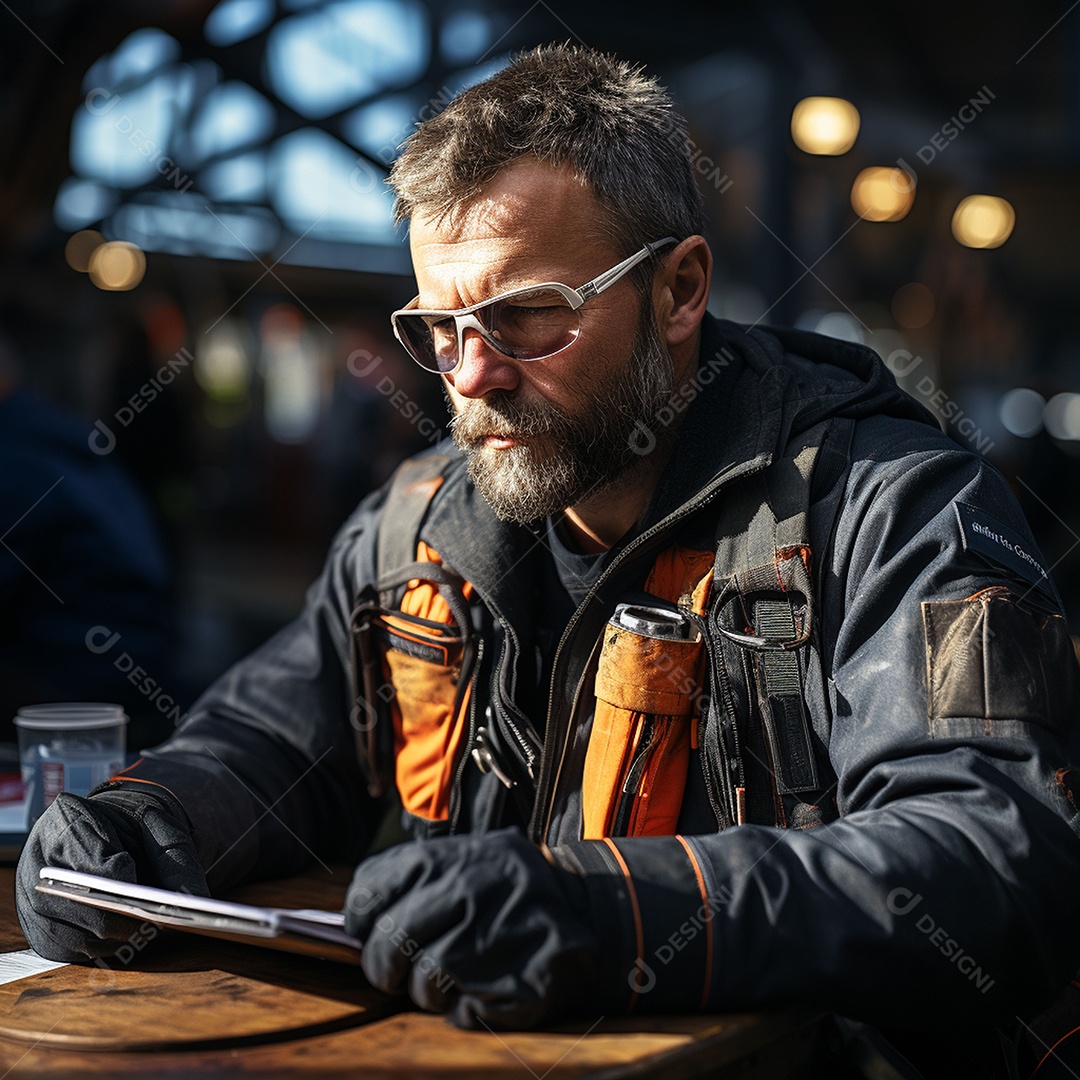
(639,746)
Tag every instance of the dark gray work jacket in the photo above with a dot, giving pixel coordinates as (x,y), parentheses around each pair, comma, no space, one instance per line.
(941,886)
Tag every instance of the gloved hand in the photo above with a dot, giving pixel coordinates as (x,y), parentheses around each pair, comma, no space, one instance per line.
(128,835)
(481,926)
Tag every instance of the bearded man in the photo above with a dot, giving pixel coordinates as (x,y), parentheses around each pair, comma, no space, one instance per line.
(705,669)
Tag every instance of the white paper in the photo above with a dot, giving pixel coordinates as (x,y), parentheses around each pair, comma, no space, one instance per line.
(21,965)
(201,914)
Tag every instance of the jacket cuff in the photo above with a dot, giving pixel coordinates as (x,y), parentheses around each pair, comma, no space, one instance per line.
(654,917)
(220,811)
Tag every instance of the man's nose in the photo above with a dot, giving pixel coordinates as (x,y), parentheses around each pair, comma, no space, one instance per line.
(482,368)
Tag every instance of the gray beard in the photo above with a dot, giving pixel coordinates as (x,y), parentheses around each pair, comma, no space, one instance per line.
(566,458)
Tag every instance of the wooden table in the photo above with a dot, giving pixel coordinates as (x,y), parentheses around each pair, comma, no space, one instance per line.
(191,1006)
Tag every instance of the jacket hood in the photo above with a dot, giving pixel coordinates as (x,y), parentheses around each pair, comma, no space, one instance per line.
(755,390)
(837,378)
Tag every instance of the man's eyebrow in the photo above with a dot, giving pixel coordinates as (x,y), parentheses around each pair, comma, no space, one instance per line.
(518,271)
(492,285)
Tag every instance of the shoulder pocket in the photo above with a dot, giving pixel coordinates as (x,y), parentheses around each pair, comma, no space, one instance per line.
(993,661)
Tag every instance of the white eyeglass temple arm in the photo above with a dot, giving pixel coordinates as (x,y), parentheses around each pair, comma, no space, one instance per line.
(609,277)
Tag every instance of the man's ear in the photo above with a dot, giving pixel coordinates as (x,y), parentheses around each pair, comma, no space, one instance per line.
(681,291)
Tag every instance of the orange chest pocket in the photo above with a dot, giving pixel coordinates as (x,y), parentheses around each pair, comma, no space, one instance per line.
(428,662)
(645,720)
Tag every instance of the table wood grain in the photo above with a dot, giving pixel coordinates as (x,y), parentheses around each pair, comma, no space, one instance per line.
(187,1006)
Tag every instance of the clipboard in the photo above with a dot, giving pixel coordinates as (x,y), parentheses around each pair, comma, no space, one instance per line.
(303,930)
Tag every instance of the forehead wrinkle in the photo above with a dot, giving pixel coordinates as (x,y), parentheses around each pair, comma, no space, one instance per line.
(524,191)
(526,227)
(472,282)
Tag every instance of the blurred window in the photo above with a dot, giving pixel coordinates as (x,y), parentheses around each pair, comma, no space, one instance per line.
(270,137)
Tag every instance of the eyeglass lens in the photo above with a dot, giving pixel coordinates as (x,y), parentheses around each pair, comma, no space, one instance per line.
(528,326)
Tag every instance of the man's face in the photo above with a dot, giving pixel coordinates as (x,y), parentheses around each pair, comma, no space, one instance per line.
(542,435)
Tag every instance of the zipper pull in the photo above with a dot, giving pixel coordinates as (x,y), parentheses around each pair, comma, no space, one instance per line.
(624,808)
(637,766)
(485,759)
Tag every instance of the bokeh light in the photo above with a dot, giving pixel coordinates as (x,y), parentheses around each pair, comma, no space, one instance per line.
(80,247)
(117,266)
(1062,417)
(882,193)
(1021,412)
(824,125)
(913,305)
(983,221)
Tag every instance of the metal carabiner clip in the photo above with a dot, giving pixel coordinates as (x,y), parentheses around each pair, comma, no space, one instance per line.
(758,642)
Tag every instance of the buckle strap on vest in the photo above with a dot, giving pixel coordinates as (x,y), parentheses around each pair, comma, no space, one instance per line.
(765,606)
(412,487)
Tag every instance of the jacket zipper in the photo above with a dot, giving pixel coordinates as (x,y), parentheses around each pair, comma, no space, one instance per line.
(455,791)
(497,705)
(550,770)
(528,752)
(724,802)
(624,809)
(502,707)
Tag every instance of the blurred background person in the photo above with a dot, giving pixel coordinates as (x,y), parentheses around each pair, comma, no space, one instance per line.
(84,582)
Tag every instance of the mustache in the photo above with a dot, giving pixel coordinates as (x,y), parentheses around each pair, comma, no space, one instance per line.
(500,413)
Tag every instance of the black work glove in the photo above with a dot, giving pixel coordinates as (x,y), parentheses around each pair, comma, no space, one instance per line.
(481,926)
(127,835)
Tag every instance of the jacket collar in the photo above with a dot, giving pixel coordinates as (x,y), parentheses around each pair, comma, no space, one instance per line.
(735,420)
(738,413)
(735,415)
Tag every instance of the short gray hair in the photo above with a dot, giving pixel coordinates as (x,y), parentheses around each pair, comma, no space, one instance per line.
(616,127)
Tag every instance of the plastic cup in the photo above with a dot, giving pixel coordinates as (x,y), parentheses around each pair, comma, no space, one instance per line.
(71,746)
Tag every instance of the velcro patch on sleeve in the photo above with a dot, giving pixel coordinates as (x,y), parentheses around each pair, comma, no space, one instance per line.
(984,535)
(993,663)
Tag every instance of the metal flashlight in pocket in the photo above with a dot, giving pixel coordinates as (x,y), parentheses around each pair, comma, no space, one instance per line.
(648,620)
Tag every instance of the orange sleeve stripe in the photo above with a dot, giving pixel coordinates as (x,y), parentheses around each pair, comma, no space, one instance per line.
(120,774)
(139,780)
(639,934)
(1050,1053)
(708,919)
